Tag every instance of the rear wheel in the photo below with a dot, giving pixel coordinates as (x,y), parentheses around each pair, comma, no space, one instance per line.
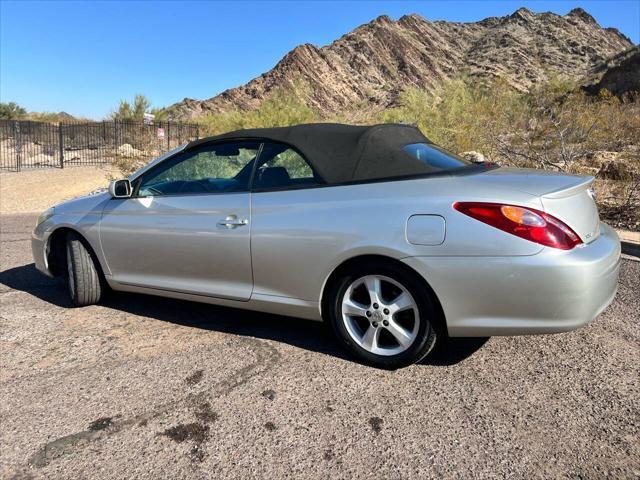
(383,315)
(83,276)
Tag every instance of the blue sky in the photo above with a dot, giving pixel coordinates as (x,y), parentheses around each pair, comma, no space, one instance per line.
(83,58)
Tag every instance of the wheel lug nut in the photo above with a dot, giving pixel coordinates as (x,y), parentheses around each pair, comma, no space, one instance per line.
(386,323)
(386,311)
(375,305)
(375,324)
(368,313)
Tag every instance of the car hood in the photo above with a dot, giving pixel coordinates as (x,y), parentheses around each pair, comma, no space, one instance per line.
(91,203)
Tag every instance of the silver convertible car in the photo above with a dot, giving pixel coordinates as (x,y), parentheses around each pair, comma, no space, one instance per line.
(374,229)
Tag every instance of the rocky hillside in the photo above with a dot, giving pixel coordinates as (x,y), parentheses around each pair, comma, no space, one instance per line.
(619,74)
(372,64)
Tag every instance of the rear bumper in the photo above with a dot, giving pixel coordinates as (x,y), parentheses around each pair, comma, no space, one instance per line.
(552,291)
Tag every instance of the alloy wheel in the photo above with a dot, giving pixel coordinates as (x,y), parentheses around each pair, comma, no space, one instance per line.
(380,315)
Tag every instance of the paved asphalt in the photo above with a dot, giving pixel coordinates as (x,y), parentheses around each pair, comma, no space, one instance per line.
(144,387)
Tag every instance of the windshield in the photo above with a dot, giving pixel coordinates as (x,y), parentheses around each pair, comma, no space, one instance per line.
(435,157)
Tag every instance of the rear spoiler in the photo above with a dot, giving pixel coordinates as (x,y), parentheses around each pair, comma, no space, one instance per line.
(582,183)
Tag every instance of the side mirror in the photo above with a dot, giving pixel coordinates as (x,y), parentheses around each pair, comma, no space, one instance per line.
(120,188)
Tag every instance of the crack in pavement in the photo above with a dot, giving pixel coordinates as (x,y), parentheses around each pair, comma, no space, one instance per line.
(266,357)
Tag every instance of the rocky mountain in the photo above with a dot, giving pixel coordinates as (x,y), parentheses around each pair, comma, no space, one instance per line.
(619,74)
(372,64)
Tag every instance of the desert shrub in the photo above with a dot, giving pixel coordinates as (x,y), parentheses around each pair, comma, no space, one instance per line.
(127,165)
(617,121)
(284,107)
(461,116)
(135,110)
(561,128)
(553,126)
(11,111)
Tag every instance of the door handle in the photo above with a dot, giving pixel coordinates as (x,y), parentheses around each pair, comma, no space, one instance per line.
(232,221)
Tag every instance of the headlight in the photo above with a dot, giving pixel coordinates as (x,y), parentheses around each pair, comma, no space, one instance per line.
(46,215)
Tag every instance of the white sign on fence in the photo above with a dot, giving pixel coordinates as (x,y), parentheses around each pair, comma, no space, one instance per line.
(148,118)
(161,133)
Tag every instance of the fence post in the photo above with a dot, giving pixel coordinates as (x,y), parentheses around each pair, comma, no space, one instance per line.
(116,134)
(168,133)
(61,144)
(18,142)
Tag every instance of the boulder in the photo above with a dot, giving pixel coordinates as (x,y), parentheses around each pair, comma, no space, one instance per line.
(126,150)
(475,157)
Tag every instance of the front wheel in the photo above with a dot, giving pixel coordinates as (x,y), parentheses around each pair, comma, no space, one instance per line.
(384,315)
(83,277)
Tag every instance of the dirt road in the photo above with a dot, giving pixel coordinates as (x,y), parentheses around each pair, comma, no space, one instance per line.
(143,387)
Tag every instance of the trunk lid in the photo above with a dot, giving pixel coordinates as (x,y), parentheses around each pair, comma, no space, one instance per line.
(567,197)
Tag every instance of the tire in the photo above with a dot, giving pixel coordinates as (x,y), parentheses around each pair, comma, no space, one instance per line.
(83,276)
(417,335)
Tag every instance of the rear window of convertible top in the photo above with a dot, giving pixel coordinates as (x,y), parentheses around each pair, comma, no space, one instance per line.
(435,157)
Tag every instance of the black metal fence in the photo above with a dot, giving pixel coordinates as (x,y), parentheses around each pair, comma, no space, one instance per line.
(27,144)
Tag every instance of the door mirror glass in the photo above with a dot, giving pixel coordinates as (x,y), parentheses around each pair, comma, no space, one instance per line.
(120,188)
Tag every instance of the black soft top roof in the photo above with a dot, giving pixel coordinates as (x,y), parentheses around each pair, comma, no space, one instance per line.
(343,153)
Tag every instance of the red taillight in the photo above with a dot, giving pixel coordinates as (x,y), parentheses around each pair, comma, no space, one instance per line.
(526,223)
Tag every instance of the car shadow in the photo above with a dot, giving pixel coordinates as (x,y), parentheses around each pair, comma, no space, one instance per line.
(308,335)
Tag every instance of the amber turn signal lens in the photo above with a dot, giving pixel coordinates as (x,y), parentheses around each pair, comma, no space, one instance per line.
(522,216)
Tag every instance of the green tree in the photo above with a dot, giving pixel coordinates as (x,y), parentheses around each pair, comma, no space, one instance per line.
(11,111)
(159,114)
(132,111)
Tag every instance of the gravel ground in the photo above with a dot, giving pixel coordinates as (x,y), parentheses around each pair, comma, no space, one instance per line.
(143,387)
(36,190)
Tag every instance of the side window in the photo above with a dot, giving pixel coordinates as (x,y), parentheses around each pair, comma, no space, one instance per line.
(281,167)
(216,168)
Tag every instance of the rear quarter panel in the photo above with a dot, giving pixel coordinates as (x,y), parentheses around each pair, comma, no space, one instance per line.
(299,237)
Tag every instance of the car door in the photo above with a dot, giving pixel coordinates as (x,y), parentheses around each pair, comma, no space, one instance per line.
(292,224)
(187,226)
